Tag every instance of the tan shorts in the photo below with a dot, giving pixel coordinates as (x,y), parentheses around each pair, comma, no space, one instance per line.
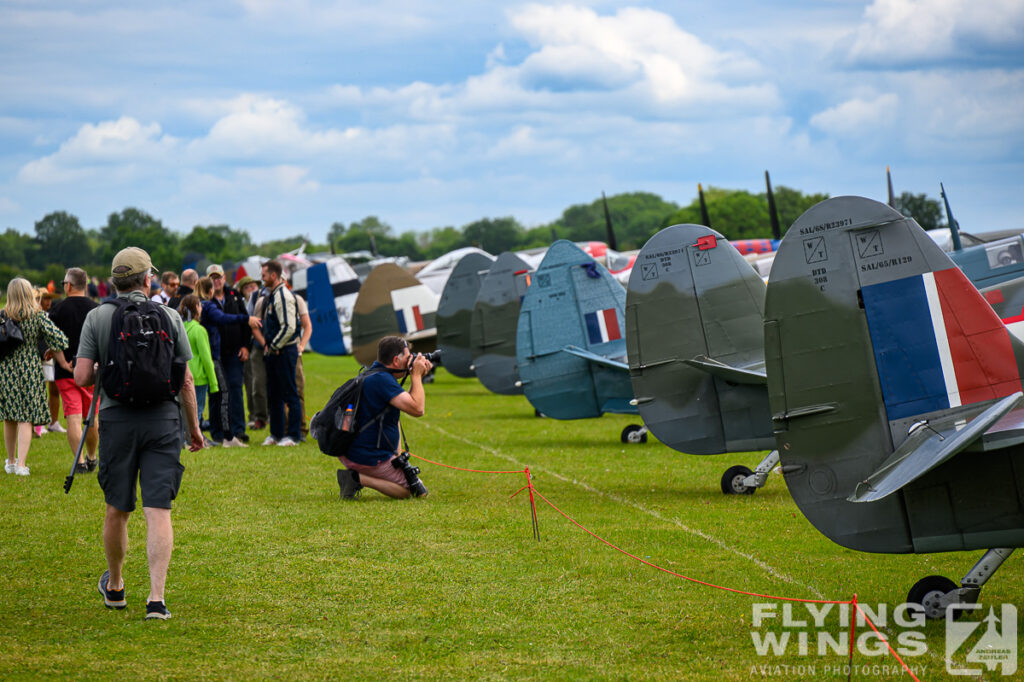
(383,470)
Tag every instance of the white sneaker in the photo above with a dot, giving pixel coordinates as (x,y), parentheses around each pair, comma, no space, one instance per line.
(234,443)
(286,441)
(21,471)
(55,427)
(9,467)
(269,440)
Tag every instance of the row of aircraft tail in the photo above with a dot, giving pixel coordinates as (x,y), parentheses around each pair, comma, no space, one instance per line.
(884,381)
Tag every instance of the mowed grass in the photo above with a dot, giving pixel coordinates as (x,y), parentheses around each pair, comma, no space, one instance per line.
(274,577)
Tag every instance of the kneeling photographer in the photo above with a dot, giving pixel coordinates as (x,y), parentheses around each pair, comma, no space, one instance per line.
(373,459)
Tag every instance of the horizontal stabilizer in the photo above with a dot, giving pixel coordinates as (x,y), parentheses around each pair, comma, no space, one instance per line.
(754,374)
(596,359)
(929,445)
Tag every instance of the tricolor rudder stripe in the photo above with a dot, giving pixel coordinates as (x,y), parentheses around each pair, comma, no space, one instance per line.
(409,319)
(937,344)
(603,326)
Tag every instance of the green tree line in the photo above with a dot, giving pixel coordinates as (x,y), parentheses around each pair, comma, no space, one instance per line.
(60,241)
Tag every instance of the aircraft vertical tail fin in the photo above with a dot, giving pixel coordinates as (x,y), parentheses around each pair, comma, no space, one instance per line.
(875,342)
(570,344)
(694,341)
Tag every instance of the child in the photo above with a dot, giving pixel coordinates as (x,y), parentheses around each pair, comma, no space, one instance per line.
(201,364)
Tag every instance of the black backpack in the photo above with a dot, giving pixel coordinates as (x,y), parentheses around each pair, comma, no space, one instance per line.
(328,425)
(142,369)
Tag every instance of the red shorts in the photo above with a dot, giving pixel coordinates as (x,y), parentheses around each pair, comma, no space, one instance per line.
(76,399)
(383,470)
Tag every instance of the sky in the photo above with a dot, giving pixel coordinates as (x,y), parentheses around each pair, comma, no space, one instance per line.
(282,118)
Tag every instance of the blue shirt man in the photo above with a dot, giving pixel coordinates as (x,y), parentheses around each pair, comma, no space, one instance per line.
(371,456)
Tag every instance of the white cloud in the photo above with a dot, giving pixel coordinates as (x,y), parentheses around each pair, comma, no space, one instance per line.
(108,143)
(895,31)
(858,116)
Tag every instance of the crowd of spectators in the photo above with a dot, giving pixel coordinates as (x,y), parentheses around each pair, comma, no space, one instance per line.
(248,382)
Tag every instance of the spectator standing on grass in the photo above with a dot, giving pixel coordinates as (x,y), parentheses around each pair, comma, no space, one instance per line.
(22,389)
(306,324)
(69,316)
(137,443)
(204,375)
(189,280)
(255,376)
(281,333)
(234,355)
(168,288)
(214,319)
(46,299)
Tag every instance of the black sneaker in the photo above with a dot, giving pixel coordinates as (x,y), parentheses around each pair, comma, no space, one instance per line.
(157,610)
(244,437)
(112,599)
(91,464)
(348,483)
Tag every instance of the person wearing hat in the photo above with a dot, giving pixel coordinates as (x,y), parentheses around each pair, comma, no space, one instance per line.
(141,443)
(226,310)
(255,372)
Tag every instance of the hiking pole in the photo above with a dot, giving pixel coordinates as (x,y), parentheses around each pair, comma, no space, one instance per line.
(85,432)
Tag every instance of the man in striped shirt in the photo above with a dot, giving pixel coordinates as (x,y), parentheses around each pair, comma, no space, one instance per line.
(282,330)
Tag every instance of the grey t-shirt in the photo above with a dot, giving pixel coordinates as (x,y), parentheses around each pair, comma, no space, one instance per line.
(96,340)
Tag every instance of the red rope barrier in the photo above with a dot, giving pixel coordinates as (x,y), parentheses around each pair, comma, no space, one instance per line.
(536,533)
(472,471)
(880,636)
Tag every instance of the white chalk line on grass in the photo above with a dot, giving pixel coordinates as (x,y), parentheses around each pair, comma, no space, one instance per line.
(767,568)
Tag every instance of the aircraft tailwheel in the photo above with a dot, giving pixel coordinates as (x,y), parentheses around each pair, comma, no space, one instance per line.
(537,413)
(732,481)
(928,592)
(634,433)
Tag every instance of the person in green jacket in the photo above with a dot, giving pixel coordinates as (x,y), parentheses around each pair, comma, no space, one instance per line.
(201,364)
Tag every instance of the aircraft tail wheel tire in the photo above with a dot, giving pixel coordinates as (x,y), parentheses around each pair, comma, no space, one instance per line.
(634,433)
(928,592)
(537,413)
(732,481)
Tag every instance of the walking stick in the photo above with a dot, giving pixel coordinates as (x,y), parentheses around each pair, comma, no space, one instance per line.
(85,431)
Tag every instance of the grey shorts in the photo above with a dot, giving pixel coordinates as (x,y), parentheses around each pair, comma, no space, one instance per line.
(143,445)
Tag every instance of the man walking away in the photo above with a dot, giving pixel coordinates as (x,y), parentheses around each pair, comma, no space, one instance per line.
(138,442)
(69,316)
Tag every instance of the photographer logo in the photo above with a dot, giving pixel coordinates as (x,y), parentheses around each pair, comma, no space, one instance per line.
(989,644)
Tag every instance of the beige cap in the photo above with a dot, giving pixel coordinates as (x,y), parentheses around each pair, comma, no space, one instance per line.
(131,261)
(240,284)
(214,269)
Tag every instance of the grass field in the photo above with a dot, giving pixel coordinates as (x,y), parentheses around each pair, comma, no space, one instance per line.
(274,577)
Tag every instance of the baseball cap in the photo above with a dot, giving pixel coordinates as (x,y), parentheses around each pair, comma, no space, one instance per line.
(131,261)
(214,269)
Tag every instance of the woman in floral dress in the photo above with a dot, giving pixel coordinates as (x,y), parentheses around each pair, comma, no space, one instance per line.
(22,389)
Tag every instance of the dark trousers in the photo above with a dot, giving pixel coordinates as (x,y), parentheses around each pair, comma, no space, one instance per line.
(234,373)
(219,405)
(281,391)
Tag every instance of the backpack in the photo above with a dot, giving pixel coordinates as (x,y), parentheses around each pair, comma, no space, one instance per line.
(142,369)
(10,335)
(334,434)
